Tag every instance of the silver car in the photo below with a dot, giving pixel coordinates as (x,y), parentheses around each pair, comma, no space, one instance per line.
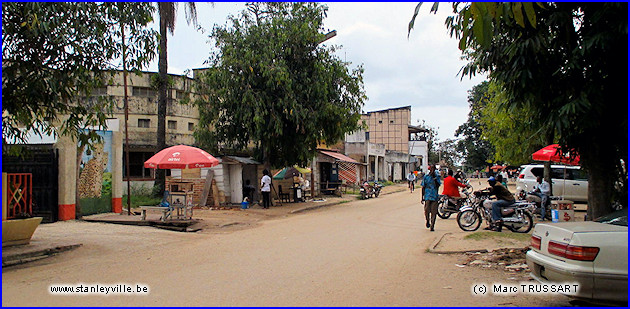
(591,254)
(570,182)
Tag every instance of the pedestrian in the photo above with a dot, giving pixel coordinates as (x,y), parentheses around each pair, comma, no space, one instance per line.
(430,185)
(265,188)
(411,178)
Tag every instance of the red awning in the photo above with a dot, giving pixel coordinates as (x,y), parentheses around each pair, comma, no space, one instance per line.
(339,157)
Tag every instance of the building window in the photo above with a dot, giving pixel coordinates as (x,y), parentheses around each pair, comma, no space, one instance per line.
(99,91)
(172,124)
(367,136)
(181,94)
(380,121)
(191,126)
(391,121)
(144,92)
(136,165)
(144,123)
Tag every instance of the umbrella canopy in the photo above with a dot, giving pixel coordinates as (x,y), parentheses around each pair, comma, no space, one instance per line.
(288,172)
(181,157)
(554,154)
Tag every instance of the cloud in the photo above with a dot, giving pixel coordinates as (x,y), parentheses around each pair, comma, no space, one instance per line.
(420,71)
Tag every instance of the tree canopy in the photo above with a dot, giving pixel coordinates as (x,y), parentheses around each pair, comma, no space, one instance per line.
(473,146)
(271,83)
(54,53)
(566,65)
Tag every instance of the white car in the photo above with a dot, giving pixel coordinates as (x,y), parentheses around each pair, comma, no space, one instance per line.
(592,254)
(570,182)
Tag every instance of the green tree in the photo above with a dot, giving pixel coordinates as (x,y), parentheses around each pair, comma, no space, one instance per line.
(448,153)
(512,135)
(54,54)
(432,142)
(167,12)
(566,64)
(272,84)
(473,146)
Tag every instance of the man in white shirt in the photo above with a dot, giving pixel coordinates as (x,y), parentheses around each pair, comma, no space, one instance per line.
(411,179)
(542,190)
(265,188)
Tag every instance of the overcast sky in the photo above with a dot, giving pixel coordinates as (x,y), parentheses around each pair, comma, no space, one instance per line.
(421,72)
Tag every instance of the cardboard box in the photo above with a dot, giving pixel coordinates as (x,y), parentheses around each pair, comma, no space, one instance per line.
(562,215)
(562,205)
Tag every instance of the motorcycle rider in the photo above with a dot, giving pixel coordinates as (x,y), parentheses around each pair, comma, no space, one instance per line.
(542,190)
(411,179)
(451,187)
(504,199)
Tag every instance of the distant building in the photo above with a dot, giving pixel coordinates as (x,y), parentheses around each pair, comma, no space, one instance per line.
(390,146)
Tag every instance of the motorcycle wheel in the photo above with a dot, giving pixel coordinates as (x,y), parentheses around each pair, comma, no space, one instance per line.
(525,227)
(468,220)
(377,193)
(442,212)
(363,195)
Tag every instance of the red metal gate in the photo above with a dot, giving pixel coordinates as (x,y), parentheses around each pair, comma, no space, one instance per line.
(19,195)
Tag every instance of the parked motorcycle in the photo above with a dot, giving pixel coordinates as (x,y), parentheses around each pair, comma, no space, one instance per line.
(516,217)
(448,205)
(368,190)
(537,201)
(377,188)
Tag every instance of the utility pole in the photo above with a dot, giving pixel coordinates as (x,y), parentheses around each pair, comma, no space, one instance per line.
(126,101)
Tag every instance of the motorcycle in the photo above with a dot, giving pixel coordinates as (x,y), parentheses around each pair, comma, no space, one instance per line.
(448,205)
(516,217)
(536,201)
(377,188)
(367,190)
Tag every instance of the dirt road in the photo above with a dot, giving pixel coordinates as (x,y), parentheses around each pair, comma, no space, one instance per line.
(362,253)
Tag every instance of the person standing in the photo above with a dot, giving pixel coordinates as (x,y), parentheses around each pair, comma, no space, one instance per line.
(430,185)
(411,178)
(265,188)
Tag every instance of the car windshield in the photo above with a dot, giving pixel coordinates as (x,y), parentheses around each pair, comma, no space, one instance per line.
(619,217)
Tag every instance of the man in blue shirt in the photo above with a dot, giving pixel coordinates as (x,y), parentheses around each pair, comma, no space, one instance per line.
(430,185)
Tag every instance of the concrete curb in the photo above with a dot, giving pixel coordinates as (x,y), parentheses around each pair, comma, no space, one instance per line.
(437,241)
(22,258)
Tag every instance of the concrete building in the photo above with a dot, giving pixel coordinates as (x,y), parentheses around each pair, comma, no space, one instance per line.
(390,146)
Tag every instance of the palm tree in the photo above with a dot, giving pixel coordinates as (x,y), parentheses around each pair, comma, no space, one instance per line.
(167,12)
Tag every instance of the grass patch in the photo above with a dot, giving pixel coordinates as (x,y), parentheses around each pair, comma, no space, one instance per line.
(490,235)
(142,200)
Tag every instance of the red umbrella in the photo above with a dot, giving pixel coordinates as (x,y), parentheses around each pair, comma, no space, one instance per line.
(181,157)
(554,154)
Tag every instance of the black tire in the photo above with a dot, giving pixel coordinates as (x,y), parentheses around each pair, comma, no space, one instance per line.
(529,224)
(363,196)
(441,213)
(376,193)
(468,220)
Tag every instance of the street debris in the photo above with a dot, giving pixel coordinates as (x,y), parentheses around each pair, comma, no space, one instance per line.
(510,260)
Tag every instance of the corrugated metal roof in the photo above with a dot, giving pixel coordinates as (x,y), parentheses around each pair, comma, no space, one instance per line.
(242,160)
(339,157)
